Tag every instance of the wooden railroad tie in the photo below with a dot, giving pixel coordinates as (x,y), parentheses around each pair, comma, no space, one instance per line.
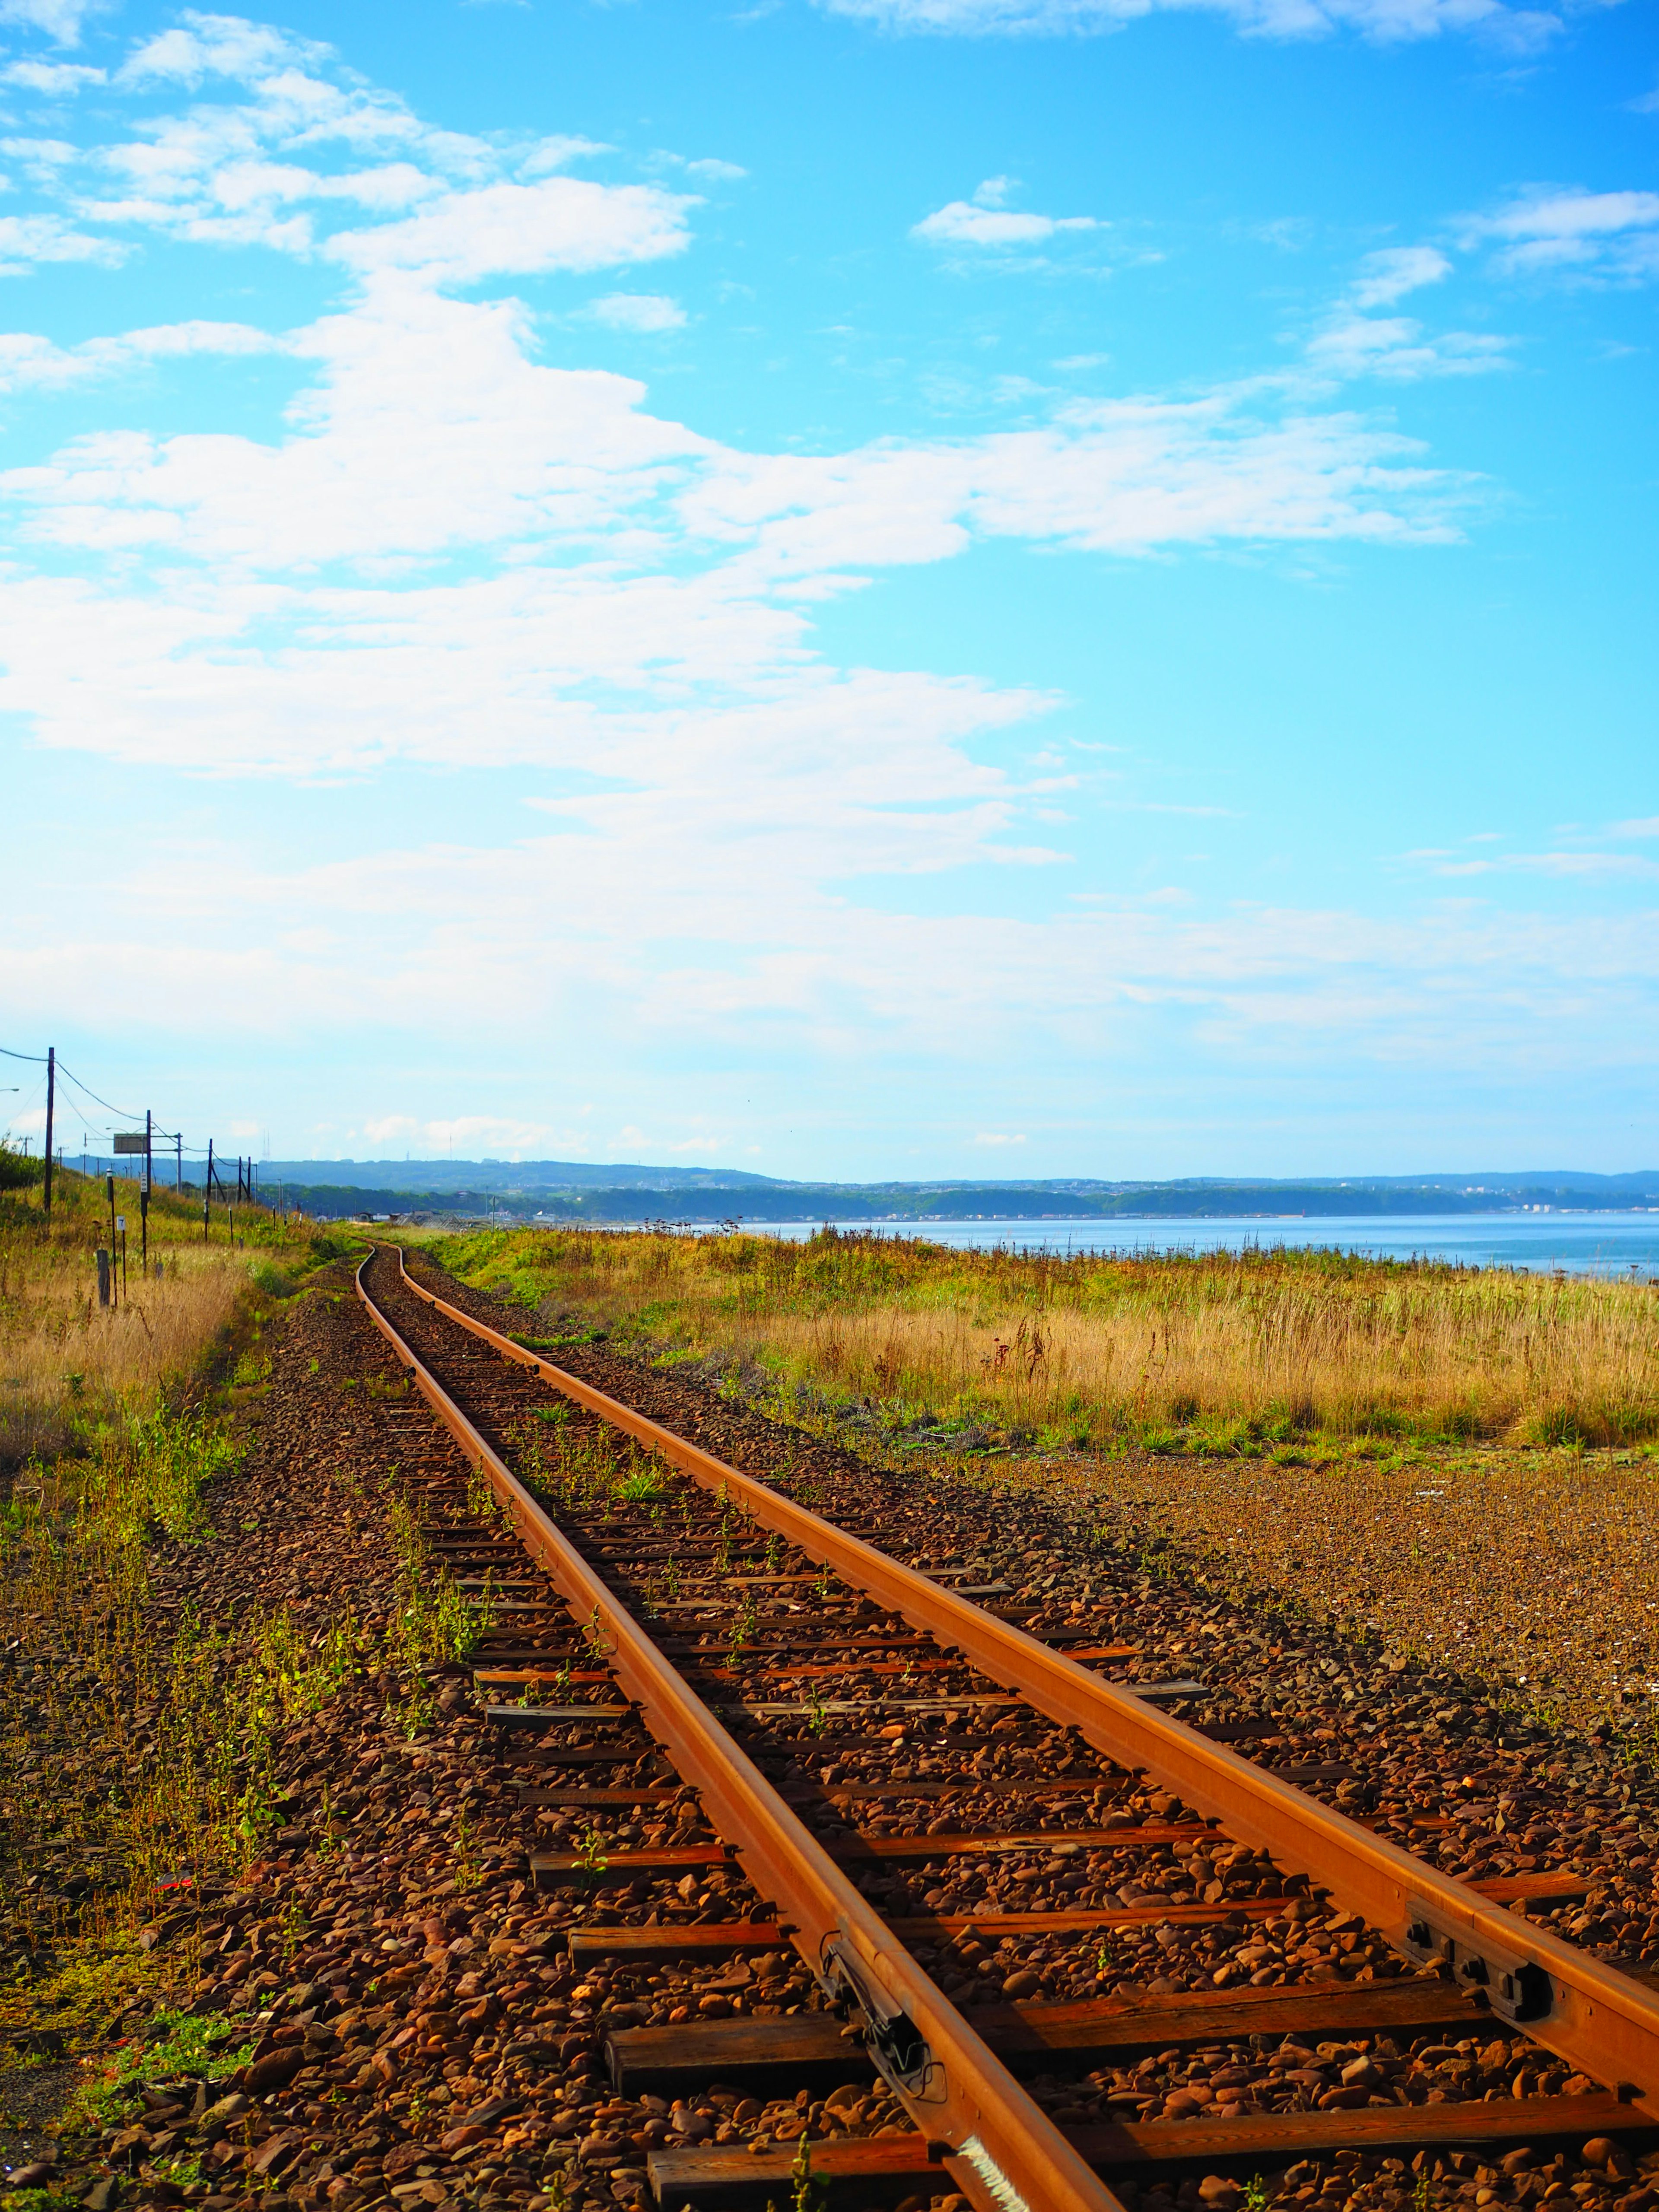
(884,2168)
(811,2050)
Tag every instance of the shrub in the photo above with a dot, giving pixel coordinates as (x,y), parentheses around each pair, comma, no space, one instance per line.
(17,1170)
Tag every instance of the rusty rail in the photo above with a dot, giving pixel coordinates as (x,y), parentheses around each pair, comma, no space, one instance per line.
(1606,2025)
(999,2148)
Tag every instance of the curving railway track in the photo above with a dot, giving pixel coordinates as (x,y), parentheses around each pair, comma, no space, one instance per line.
(798,1785)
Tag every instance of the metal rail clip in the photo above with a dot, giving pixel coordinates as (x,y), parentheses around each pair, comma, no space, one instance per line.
(1515,1988)
(897,2044)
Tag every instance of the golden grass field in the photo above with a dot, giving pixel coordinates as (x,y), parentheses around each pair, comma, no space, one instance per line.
(63,1358)
(1222,1350)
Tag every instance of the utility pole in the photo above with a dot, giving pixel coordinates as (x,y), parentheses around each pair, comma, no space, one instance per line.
(51,1088)
(144,1196)
(207,1192)
(178,1161)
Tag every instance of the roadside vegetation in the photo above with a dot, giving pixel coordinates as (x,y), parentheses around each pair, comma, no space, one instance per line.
(67,1363)
(134,1743)
(1222,1353)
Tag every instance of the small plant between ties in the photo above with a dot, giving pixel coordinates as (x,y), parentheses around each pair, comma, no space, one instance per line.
(593,1634)
(743,1627)
(809,2191)
(591,1858)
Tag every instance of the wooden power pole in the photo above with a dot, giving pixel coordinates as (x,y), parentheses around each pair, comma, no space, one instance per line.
(51,1088)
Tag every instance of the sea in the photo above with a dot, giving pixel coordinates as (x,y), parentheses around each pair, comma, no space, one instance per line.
(1562,1243)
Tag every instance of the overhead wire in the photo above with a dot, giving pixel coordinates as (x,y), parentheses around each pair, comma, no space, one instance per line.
(125,1113)
(128,1114)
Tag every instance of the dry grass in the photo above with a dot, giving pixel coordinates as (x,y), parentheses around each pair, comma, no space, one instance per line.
(65,1362)
(1220,1352)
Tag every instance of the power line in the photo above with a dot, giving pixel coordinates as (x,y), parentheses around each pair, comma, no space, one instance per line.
(126,1114)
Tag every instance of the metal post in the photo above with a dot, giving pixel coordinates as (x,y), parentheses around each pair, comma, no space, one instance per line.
(103,1276)
(51,1087)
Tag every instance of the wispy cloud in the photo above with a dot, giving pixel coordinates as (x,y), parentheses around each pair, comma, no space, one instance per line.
(60,21)
(27,361)
(1552,231)
(986,220)
(1353,342)
(28,241)
(1387,276)
(453,553)
(637,311)
(1351,346)
(57,79)
(1383,21)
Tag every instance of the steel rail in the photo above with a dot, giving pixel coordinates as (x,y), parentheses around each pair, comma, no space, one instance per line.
(1604,2024)
(999,2147)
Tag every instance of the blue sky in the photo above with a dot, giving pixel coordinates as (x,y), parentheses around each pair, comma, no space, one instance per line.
(844,587)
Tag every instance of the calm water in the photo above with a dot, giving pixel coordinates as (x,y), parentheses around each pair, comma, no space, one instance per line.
(1579,1243)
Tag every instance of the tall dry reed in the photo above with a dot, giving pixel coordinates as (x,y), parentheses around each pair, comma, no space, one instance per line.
(1259,1344)
(64,1360)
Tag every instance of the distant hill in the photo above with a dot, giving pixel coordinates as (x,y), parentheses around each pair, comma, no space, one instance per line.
(496,1174)
(581,1191)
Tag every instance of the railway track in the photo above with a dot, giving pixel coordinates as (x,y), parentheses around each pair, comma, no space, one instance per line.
(777,1763)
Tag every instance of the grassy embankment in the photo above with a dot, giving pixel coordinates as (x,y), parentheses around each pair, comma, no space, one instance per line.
(1458,1463)
(114,1423)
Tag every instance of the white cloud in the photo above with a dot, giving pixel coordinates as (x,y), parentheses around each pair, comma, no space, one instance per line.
(1387,276)
(27,361)
(637,311)
(52,78)
(712,170)
(453,554)
(1575,232)
(205,46)
(26,240)
(1120,476)
(997,1137)
(1352,346)
(511,229)
(1384,21)
(986,220)
(471,1135)
(61,20)
(557,152)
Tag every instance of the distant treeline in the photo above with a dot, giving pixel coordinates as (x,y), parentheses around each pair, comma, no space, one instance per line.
(899,1202)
